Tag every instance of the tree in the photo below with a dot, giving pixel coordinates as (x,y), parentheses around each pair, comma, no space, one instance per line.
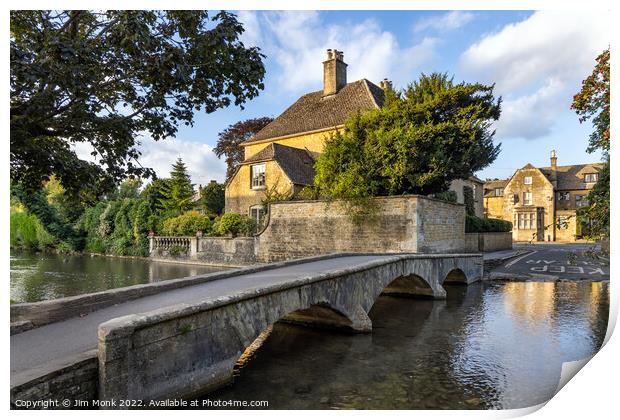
(433,132)
(592,101)
(468,199)
(153,193)
(105,77)
(212,198)
(228,143)
(178,192)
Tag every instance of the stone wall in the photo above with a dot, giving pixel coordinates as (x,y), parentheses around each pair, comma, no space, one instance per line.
(403,224)
(226,251)
(295,229)
(488,241)
(77,380)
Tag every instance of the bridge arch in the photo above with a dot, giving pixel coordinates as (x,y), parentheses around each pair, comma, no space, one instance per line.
(409,285)
(455,276)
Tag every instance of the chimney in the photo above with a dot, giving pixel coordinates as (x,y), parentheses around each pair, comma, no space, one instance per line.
(384,84)
(334,72)
(554,168)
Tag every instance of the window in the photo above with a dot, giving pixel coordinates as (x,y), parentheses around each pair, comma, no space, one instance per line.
(590,177)
(562,222)
(499,192)
(581,200)
(563,196)
(527,180)
(257,213)
(258,176)
(526,221)
(527,198)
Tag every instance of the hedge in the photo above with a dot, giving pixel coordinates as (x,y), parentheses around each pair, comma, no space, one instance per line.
(475,224)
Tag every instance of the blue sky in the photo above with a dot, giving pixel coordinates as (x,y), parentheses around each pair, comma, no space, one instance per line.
(536,59)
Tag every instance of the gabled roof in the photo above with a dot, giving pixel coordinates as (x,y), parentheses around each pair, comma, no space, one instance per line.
(571,177)
(314,112)
(297,164)
(490,186)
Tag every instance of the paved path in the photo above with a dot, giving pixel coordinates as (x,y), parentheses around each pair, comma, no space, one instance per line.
(32,350)
(555,262)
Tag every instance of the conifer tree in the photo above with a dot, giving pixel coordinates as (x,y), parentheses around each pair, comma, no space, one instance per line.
(178,192)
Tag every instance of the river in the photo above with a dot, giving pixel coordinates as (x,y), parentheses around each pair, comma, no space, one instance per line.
(488,346)
(36,277)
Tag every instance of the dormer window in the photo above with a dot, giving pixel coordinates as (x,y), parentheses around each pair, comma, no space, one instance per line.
(527,180)
(588,178)
(258,176)
(499,192)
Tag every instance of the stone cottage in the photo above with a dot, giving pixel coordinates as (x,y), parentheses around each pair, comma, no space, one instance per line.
(280,157)
(542,203)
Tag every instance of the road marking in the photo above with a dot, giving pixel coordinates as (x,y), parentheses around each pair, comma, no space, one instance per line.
(509,264)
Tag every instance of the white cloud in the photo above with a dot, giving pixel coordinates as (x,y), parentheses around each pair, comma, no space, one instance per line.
(532,116)
(202,163)
(252,34)
(444,22)
(537,65)
(297,40)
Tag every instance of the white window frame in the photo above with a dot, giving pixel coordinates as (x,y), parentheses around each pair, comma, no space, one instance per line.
(526,195)
(501,192)
(257,176)
(527,180)
(257,212)
(594,178)
(564,196)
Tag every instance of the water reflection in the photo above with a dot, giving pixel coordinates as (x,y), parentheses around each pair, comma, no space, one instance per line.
(42,277)
(486,346)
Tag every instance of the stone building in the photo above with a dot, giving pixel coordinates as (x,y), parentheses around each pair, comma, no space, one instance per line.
(477,188)
(542,202)
(279,159)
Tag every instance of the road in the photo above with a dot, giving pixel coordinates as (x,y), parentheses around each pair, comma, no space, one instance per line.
(555,262)
(32,351)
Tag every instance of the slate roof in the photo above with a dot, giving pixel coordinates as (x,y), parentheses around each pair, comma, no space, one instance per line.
(570,177)
(297,164)
(314,112)
(489,186)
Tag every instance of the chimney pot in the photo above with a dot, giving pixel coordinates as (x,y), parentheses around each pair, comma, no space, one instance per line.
(554,160)
(385,83)
(334,72)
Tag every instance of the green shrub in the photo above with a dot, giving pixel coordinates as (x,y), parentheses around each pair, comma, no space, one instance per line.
(235,224)
(27,231)
(468,199)
(187,224)
(449,196)
(24,230)
(475,224)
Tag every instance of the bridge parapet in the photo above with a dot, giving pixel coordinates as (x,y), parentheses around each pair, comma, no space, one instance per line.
(183,350)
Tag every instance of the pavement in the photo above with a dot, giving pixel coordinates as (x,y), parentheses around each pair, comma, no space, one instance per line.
(552,262)
(32,351)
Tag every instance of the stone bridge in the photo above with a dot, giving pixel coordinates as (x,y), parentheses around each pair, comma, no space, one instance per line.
(187,349)
(186,341)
